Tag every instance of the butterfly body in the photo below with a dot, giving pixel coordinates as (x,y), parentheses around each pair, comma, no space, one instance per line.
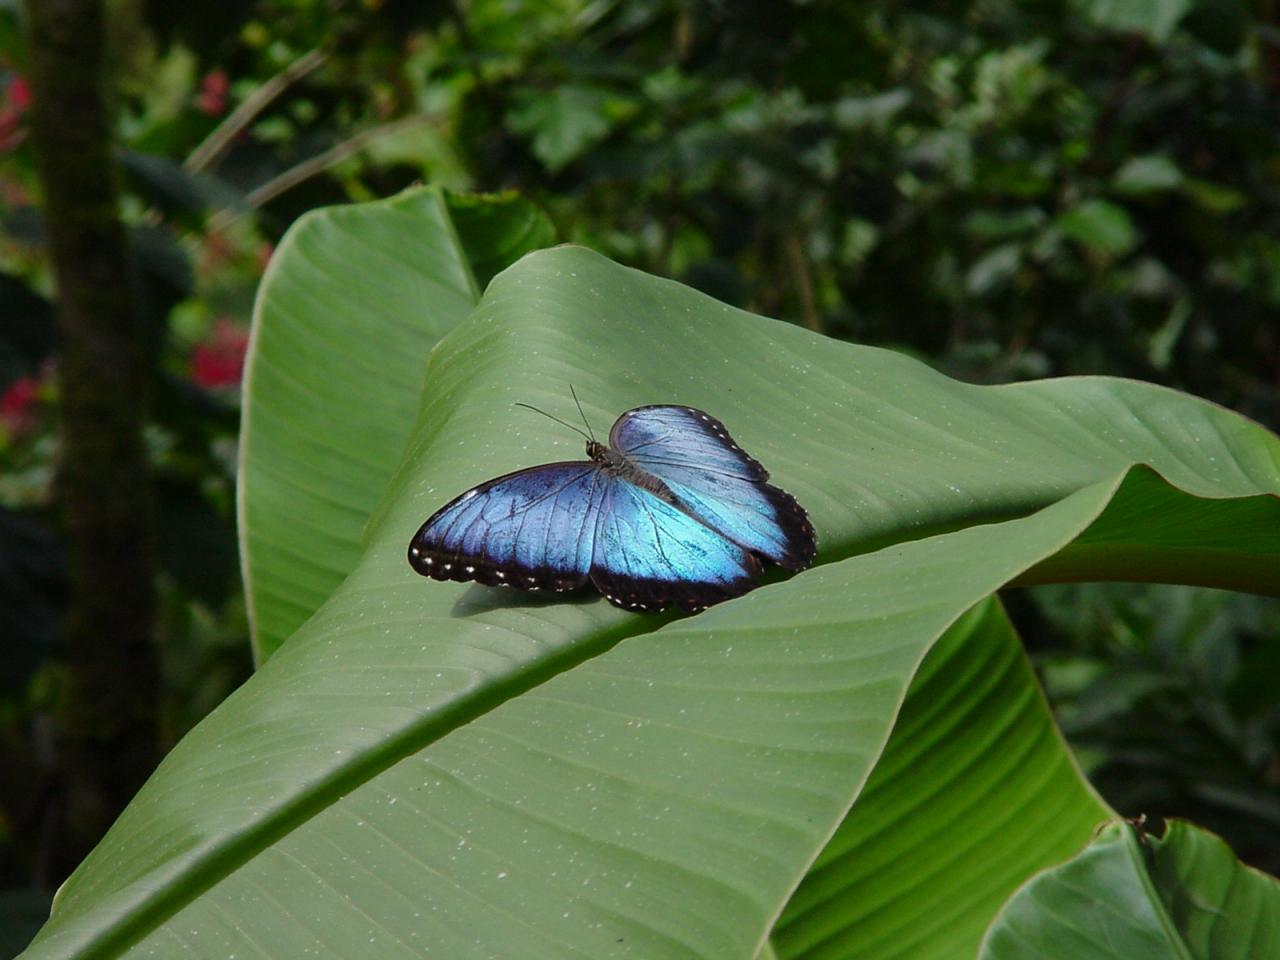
(616,464)
(670,512)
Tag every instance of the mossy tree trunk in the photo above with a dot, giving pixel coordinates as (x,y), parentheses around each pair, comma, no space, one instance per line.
(106,712)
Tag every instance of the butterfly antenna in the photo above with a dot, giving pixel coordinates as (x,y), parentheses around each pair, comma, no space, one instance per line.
(555,418)
(581,414)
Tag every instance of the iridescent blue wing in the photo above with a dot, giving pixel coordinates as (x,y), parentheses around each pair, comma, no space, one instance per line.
(534,529)
(650,555)
(663,434)
(714,479)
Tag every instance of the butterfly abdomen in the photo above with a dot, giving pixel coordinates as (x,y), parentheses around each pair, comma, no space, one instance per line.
(619,466)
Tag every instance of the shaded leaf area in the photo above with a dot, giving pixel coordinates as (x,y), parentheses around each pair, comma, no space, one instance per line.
(1181,895)
(342,335)
(470,768)
(1157,533)
(974,776)
(1220,907)
(496,230)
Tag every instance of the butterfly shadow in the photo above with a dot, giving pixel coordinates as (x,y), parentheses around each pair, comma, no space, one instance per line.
(480,599)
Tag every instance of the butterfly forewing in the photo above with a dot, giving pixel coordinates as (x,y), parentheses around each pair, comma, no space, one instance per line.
(533,529)
(714,479)
(682,435)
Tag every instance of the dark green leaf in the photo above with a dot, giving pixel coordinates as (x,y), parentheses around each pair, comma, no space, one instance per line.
(1155,18)
(1100,226)
(1183,895)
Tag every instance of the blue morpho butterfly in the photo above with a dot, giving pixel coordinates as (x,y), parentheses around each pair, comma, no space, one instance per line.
(672,511)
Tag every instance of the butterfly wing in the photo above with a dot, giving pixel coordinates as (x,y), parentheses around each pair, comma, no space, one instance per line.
(663,434)
(650,555)
(534,529)
(717,481)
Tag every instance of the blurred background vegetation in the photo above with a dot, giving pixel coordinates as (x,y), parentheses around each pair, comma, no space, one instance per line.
(1004,190)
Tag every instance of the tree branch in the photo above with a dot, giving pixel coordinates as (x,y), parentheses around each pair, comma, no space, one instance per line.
(312,166)
(222,136)
(107,714)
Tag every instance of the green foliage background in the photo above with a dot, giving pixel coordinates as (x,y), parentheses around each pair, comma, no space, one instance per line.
(1006,190)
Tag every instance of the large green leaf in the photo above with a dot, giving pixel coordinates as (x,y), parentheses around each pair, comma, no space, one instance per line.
(1183,895)
(335,373)
(491,774)
(665,795)
(922,862)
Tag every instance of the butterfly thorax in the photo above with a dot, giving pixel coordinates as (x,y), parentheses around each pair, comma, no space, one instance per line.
(620,466)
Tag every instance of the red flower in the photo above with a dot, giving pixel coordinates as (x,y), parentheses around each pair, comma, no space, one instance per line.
(19,93)
(214,88)
(218,361)
(16,101)
(18,406)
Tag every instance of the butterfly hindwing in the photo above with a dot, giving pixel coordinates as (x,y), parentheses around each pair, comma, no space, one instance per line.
(650,555)
(756,515)
(534,529)
(714,479)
